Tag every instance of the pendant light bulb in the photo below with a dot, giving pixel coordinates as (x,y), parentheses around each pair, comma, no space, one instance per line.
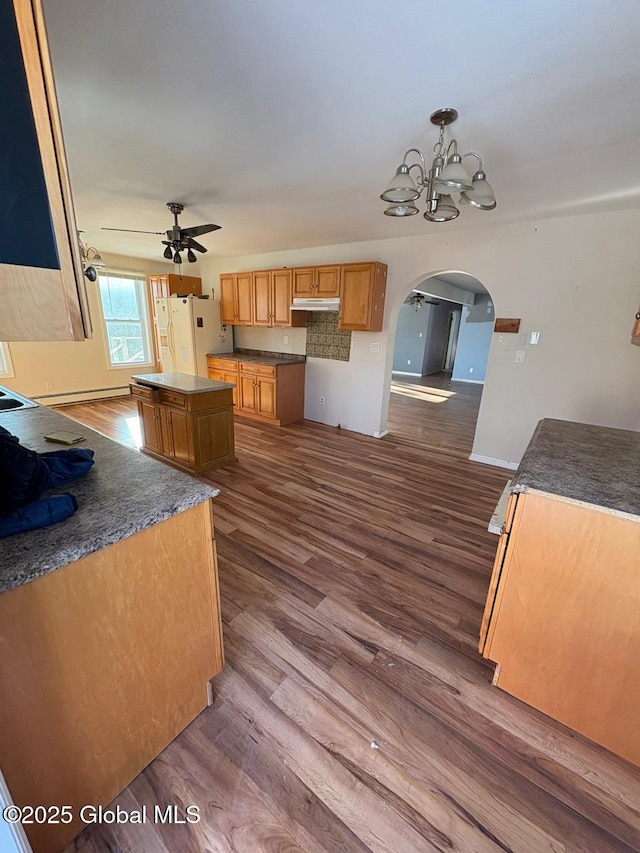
(168,253)
(177,259)
(191,257)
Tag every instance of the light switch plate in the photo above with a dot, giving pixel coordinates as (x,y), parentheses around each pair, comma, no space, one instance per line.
(521,354)
(375,347)
(534,338)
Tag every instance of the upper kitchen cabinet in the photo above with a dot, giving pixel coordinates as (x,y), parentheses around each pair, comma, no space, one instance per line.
(272,299)
(236,298)
(321,281)
(168,283)
(362,291)
(42,287)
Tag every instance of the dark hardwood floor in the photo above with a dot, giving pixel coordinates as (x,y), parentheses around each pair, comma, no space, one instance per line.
(354,712)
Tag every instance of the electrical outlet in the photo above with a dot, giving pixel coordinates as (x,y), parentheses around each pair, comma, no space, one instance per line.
(354,345)
(286,339)
(375,347)
(521,354)
(471,370)
(420,334)
(48,385)
(322,401)
(408,361)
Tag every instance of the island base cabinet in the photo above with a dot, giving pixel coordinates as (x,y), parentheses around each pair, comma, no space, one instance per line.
(562,616)
(103,662)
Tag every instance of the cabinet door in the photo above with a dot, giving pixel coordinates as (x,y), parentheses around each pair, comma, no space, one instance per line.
(248,396)
(244,298)
(178,423)
(281,289)
(41,281)
(184,285)
(159,286)
(266,397)
(355,297)
(150,426)
(304,281)
(262,299)
(327,281)
(227,299)
(232,376)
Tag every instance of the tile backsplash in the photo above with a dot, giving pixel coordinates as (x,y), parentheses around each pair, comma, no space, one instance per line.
(324,339)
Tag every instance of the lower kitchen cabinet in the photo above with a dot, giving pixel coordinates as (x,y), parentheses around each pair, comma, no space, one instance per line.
(266,392)
(192,431)
(561,617)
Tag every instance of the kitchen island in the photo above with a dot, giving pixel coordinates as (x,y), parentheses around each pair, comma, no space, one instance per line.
(561,618)
(109,628)
(186,420)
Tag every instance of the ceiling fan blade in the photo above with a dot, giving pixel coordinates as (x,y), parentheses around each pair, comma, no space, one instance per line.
(197,230)
(192,244)
(132,231)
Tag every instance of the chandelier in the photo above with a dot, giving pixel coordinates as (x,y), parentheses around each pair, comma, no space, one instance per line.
(446,176)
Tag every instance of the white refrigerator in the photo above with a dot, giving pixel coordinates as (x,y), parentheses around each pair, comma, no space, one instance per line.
(187,329)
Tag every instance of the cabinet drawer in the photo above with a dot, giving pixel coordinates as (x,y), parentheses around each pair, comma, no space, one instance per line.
(258,369)
(173,398)
(144,392)
(222,364)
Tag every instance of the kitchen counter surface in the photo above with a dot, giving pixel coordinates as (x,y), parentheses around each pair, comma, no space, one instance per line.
(123,493)
(183,382)
(583,463)
(256,358)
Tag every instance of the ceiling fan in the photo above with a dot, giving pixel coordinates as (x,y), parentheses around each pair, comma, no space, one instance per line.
(178,239)
(417,299)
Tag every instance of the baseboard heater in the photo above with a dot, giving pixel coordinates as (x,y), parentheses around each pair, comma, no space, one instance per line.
(124,389)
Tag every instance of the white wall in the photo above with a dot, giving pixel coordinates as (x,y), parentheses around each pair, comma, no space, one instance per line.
(574,279)
(76,366)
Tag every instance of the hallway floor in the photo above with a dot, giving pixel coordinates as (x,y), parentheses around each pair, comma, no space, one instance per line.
(354,712)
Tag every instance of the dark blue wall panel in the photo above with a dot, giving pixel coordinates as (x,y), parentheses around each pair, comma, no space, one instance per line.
(27,237)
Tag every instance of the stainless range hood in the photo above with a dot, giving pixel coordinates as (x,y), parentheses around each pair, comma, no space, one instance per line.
(312,303)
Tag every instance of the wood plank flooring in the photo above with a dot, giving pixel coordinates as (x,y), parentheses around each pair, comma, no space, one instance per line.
(354,712)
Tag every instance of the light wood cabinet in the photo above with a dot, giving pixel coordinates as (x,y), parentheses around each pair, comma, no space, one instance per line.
(168,283)
(561,618)
(362,294)
(272,394)
(323,281)
(272,299)
(42,287)
(192,431)
(236,298)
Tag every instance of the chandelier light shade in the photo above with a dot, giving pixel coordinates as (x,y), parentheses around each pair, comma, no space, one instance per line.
(447,175)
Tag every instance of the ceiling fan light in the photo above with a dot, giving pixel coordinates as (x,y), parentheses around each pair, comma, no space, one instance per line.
(481,194)
(168,253)
(177,259)
(408,209)
(454,176)
(97,261)
(191,257)
(445,210)
(401,188)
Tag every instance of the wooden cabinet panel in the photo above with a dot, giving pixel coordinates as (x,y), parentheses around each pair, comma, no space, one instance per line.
(213,436)
(262,298)
(42,287)
(180,446)
(281,297)
(150,423)
(327,281)
(226,376)
(159,286)
(227,299)
(266,397)
(248,397)
(183,285)
(362,293)
(303,281)
(244,298)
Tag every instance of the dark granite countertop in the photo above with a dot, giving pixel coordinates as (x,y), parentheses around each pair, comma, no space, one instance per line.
(123,493)
(183,382)
(583,463)
(253,357)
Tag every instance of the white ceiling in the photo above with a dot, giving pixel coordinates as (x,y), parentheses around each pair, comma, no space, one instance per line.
(282,120)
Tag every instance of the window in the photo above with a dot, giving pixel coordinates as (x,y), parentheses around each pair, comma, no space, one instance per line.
(126,319)
(6,368)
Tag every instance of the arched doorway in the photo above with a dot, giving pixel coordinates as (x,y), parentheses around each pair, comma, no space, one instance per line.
(443,334)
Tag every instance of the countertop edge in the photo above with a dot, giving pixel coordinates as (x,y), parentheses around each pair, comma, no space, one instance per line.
(526,490)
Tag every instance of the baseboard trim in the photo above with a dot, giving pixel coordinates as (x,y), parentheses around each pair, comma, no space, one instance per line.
(489,460)
(470,381)
(405,373)
(382,434)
